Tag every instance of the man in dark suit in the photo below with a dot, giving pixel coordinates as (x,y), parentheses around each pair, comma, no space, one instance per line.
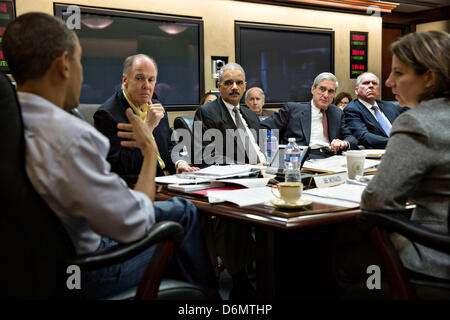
(370,120)
(224,118)
(138,83)
(229,123)
(318,124)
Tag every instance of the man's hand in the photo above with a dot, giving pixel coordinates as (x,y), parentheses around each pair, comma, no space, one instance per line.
(337,145)
(183,166)
(155,113)
(139,134)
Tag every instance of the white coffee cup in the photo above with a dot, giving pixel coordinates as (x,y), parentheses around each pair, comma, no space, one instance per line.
(290,192)
(355,163)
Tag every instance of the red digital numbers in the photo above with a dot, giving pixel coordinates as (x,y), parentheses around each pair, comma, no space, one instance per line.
(356,37)
(1,55)
(3,7)
(358,67)
(357,52)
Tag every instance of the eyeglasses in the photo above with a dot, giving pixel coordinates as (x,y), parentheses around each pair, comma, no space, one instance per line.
(323,89)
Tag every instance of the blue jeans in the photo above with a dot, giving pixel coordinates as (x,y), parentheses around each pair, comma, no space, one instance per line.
(190,262)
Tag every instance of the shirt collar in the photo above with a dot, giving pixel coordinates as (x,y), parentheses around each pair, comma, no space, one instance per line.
(368,105)
(229,106)
(141,113)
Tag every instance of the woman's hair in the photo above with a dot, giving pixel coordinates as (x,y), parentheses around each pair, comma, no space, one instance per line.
(340,96)
(203,98)
(427,51)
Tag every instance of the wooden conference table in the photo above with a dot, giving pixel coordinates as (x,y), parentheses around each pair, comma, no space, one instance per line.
(293,247)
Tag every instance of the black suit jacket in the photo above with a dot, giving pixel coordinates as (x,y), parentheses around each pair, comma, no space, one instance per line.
(215,115)
(294,120)
(365,127)
(124,160)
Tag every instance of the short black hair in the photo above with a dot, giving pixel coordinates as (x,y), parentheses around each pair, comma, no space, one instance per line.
(33,41)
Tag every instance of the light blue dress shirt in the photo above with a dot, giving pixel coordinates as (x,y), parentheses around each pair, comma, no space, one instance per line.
(66,163)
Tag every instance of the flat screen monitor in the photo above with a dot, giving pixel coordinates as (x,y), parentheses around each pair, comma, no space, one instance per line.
(108,36)
(283,60)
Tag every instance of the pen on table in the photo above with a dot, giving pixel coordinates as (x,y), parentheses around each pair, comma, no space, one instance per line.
(192,183)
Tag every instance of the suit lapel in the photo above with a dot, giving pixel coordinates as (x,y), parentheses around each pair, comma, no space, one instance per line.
(387,112)
(305,113)
(369,116)
(225,115)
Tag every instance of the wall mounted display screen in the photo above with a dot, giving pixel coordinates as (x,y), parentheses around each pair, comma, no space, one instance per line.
(7,13)
(283,60)
(107,37)
(358,53)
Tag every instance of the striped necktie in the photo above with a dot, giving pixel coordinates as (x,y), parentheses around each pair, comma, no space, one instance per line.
(242,132)
(382,121)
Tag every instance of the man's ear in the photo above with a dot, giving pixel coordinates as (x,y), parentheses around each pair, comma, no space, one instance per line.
(124,81)
(62,65)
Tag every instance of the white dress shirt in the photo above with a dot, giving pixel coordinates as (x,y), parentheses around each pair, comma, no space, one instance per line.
(318,139)
(230,108)
(369,107)
(66,163)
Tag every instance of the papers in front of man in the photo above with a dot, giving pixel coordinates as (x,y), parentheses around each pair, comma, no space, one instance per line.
(335,164)
(193,185)
(222,172)
(242,197)
(350,193)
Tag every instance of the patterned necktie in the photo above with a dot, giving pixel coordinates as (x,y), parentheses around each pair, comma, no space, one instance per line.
(382,121)
(325,124)
(242,132)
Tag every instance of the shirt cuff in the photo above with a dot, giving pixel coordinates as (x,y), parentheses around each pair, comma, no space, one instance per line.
(178,163)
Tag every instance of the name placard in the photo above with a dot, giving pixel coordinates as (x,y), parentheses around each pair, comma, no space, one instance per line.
(329,180)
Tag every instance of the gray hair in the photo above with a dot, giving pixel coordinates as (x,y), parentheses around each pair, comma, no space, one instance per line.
(358,80)
(325,76)
(257,89)
(230,66)
(129,62)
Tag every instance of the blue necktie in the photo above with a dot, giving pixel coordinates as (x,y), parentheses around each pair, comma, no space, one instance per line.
(383,123)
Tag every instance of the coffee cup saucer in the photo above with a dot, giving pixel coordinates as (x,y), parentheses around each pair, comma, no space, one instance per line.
(278,203)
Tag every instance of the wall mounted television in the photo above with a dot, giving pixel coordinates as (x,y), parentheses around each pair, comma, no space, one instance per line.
(283,60)
(108,36)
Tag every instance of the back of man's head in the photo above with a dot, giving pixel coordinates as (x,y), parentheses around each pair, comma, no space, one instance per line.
(33,41)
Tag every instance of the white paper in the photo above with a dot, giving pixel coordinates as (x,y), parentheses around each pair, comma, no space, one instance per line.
(176,179)
(242,197)
(347,192)
(249,183)
(335,164)
(221,171)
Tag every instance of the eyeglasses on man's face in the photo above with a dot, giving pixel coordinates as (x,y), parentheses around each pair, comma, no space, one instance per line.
(323,89)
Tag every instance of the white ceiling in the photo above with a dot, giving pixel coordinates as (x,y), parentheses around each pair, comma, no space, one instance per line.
(408,6)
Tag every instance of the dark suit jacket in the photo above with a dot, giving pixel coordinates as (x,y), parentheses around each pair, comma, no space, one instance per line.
(124,160)
(365,127)
(294,120)
(215,115)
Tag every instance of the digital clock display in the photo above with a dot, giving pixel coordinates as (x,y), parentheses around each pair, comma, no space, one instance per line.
(7,13)
(358,53)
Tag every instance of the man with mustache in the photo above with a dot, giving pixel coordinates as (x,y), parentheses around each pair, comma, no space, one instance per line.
(370,120)
(230,240)
(317,124)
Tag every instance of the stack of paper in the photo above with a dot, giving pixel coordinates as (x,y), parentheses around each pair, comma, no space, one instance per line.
(344,192)
(335,164)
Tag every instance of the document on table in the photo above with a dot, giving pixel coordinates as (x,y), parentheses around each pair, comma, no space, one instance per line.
(222,171)
(335,164)
(346,192)
(242,197)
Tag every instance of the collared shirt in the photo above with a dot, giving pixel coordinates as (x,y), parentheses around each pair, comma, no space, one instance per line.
(369,107)
(66,163)
(318,139)
(230,108)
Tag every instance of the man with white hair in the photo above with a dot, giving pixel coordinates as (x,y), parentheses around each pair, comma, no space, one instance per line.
(255,99)
(317,124)
(370,120)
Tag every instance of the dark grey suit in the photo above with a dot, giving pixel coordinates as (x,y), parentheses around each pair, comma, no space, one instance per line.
(215,115)
(365,127)
(294,120)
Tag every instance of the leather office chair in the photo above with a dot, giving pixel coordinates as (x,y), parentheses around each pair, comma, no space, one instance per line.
(35,247)
(406,285)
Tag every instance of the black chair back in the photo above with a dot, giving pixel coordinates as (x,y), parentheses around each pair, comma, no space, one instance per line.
(34,244)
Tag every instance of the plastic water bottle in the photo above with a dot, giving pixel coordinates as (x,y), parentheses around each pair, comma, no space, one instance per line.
(271,147)
(292,162)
